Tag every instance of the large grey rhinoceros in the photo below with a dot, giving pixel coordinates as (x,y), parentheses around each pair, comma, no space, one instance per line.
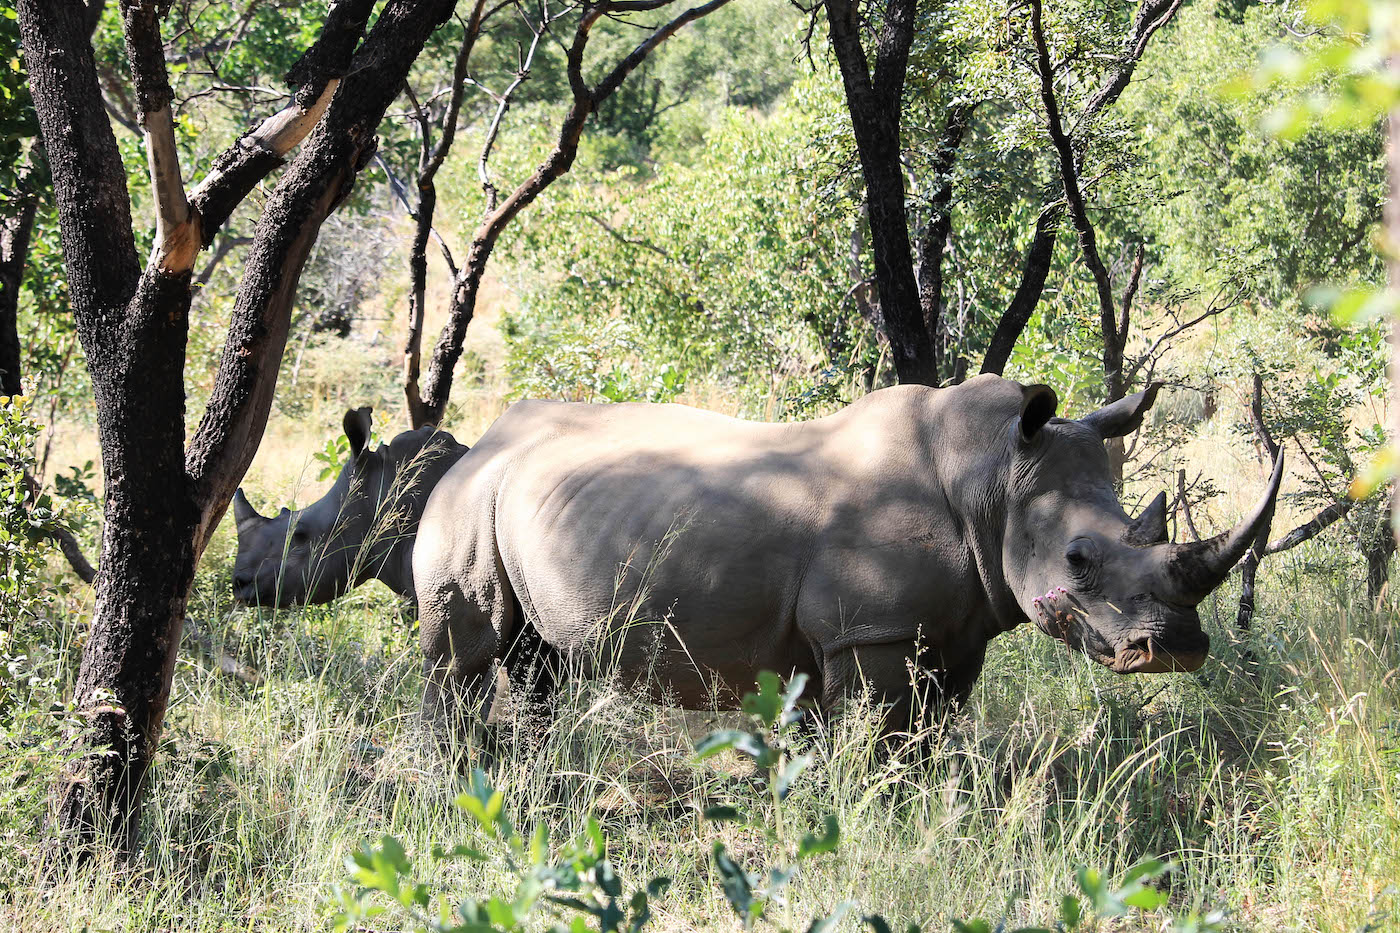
(883,546)
(362,529)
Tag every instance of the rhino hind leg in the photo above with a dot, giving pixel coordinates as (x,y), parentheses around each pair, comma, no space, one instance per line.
(534,667)
(459,678)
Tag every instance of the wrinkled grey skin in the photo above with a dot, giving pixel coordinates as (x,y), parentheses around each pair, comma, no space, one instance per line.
(362,529)
(686,550)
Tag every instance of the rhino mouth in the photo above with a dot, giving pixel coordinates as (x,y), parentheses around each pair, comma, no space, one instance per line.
(1146,655)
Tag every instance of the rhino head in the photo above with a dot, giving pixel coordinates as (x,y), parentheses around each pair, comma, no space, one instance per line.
(362,529)
(1110,586)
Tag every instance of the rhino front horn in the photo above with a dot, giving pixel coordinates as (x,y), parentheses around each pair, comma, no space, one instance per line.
(1194,570)
(243,512)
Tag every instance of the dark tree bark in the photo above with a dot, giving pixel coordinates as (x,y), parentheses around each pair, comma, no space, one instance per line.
(1039,255)
(874,100)
(940,226)
(1249,567)
(163,502)
(15,230)
(586,98)
(1378,551)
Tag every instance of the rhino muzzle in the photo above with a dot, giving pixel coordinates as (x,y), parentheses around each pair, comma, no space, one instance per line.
(1150,655)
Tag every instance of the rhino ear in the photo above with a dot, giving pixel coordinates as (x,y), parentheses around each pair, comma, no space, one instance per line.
(357,424)
(1038,404)
(1124,416)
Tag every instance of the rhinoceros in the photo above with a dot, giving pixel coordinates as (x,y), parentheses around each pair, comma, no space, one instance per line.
(880,548)
(362,529)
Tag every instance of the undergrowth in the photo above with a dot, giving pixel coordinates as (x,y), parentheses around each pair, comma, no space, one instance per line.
(1268,779)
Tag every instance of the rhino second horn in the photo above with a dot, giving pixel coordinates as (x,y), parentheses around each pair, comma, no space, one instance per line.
(243,512)
(1151,526)
(1194,570)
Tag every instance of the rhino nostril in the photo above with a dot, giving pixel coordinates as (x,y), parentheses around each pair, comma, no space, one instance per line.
(242,581)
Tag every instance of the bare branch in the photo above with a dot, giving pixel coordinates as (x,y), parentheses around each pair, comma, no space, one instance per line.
(176,240)
(1129,293)
(472,30)
(1152,15)
(227,244)
(616,235)
(397,186)
(521,74)
(1185,503)
(586,99)
(318,73)
(1074,196)
(1313,527)
(1037,266)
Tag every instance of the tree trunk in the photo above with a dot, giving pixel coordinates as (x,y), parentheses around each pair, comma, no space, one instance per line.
(874,102)
(147,564)
(935,239)
(418,276)
(1249,567)
(15,229)
(162,502)
(1378,553)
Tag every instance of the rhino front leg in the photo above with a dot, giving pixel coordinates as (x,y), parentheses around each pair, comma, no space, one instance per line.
(912,694)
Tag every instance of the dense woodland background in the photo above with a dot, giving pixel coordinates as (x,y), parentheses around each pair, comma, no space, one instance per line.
(719,239)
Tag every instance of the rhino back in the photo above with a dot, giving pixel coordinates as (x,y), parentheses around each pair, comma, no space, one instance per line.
(700,541)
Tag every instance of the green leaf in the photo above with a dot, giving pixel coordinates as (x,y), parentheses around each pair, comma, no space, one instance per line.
(789,773)
(794,693)
(813,845)
(1146,870)
(723,813)
(972,926)
(735,884)
(748,743)
(767,703)
(1145,899)
(1069,911)
(716,742)
(607,879)
(501,913)
(460,851)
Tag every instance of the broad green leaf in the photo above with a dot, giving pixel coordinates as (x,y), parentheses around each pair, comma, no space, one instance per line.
(1069,911)
(789,773)
(723,813)
(813,845)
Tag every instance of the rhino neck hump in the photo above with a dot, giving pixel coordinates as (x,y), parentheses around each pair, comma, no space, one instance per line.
(391,563)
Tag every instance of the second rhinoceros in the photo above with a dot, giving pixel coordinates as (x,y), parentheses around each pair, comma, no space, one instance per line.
(687,550)
(362,529)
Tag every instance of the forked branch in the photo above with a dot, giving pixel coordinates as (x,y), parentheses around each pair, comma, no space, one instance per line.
(428,407)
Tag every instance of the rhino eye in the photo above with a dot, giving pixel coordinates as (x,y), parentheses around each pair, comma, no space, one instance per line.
(1079,555)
